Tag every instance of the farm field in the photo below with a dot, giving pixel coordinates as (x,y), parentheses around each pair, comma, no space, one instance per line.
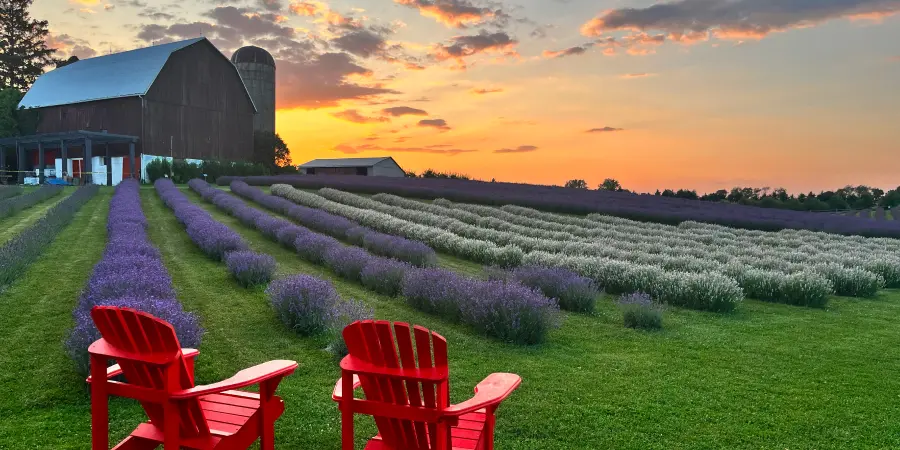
(763,375)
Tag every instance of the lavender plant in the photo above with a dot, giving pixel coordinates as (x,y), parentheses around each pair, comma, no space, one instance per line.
(306,304)
(574,292)
(250,268)
(640,311)
(14,204)
(384,275)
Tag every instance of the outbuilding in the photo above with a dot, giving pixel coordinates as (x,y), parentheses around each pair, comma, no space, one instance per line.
(102,118)
(384,166)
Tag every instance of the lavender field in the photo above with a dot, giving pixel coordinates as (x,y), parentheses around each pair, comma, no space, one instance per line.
(628,333)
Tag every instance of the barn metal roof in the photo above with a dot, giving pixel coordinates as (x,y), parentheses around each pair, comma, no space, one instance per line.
(345,162)
(125,74)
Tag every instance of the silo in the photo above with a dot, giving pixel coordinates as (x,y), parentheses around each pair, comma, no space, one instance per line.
(257,68)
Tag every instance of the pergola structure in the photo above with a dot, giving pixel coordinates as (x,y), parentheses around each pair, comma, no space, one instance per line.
(84,139)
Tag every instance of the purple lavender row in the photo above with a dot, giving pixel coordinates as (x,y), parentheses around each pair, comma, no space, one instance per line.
(413,252)
(130,274)
(509,311)
(10,206)
(216,239)
(578,201)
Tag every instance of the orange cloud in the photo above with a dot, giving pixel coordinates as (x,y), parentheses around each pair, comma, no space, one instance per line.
(352,115)
(484,91)
(629,76)
(307,8)
(452,13)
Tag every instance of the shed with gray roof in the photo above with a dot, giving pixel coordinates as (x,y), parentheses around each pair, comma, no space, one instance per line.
(384,166)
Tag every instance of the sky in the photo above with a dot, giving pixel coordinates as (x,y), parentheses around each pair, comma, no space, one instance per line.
(697,94)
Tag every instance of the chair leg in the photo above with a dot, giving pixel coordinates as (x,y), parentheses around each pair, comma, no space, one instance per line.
(266,419)
(171,427)
(99,405)
(347,411)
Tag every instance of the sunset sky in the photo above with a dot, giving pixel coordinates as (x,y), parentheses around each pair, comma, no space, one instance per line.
(701,94)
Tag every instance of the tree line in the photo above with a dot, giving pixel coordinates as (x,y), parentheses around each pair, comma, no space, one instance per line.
(847,197)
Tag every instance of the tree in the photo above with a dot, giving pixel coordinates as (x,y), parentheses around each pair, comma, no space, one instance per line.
(23,47)
(610,184)
(13,121)
(270,151)
(576,184)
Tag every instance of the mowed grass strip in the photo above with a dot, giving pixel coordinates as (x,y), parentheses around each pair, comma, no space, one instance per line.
(11,226)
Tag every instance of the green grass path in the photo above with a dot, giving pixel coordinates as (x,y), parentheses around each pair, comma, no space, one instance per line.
(12,225)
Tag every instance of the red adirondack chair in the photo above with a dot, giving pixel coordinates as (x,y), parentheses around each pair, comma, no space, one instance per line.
(160,375)
(411,403)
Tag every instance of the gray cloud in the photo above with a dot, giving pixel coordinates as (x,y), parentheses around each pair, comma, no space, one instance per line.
(483,91)
(363,43)
(604,130)
(271,5)
(352,115)
(519,149)
(469,45)
(440,124)
(737,19)
(578,50)
(398,111)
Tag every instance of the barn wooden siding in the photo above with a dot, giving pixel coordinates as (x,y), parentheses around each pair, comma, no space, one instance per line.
(196,109)
(199,106)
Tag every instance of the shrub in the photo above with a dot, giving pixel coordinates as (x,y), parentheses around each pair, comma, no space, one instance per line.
(249,268)
(805,289)
(384,276)
(183,171)
(347,262)
(304,303)
(639,311)
(346,313)
(574,292)
(313,246)
(288,235)
(437,291)
(157,169)
(510,312)
(853,282)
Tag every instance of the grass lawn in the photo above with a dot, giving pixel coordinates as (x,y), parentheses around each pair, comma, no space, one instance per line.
(768,376)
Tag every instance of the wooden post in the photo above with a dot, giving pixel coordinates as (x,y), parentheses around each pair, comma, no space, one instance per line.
(2,164)
(87,174)
(65,163)
(20,155)
(40,162)
(108,165)
(131,158)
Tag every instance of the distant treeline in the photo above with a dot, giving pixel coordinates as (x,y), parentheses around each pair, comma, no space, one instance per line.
(848,197)
(182,171)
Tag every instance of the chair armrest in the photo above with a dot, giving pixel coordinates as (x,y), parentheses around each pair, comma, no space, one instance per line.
(491,391)
(115,370)
(247,377)
(339,388)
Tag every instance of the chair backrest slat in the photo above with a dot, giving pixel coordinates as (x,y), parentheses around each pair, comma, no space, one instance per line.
(391,346)
(139,333)
(408,360)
